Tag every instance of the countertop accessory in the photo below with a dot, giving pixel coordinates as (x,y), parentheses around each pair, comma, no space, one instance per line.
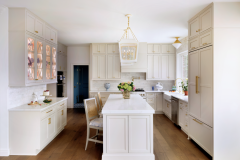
(107,86)
(126,88)
(185,87)
(34,99)
(152,88)
(159,86)
(47,100)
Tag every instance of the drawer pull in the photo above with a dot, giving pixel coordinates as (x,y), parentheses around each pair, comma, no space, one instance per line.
(197,121)
(193,47)
(185,105)
(52,39)
(186,125)
(36,31)
(62,112)
(49,120)
(186,114)
(48,111)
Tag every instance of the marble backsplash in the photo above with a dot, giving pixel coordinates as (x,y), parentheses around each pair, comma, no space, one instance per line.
(98,85)
(21,95)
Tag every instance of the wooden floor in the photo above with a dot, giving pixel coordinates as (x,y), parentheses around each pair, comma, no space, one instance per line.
(170,143)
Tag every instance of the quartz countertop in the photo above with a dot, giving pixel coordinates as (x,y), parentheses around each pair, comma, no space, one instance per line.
(105,91)
(178,96)
(37,108)
(117,105)
(156,91)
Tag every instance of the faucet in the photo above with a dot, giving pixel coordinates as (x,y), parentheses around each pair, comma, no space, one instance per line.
(176,83)
(135,78)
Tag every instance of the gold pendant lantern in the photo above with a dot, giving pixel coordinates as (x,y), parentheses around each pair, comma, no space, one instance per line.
(128,46)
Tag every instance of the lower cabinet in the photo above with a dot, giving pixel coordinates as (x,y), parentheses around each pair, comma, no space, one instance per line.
(167,109)
(155,100)
(128,134)
(31,131)
(202,134)
(183,117)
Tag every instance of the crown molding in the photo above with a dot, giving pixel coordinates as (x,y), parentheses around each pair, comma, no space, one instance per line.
(2,8)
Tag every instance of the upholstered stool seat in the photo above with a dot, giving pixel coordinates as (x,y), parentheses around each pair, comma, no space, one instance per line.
(97,122)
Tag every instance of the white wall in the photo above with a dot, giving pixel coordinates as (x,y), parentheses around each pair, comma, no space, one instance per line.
(226,81)
(76,55)
(4,148)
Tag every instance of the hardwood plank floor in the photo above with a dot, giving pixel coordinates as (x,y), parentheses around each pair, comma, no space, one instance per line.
(170,143)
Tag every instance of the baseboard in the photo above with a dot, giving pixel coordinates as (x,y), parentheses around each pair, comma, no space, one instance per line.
(4,152)
(136,156)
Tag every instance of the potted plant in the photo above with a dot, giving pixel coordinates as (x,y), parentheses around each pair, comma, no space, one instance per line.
(126,88)
(185,87)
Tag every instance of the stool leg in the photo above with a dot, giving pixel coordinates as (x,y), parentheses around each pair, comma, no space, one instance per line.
(88,133)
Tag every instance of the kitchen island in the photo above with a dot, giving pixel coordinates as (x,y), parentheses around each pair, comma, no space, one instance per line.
(127,129)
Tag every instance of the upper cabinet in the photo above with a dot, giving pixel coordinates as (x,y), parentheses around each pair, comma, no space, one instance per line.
(200,29)
(168,48)
(99,48)
(34,25)
(112,48)
(32,57)
(50,34)
(154,48)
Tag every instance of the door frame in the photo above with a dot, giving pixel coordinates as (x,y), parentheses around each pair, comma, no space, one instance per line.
(72,81)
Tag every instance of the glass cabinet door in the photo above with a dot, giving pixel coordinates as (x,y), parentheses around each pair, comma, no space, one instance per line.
(39,60)
(30,61)
(54,64)
(48,62)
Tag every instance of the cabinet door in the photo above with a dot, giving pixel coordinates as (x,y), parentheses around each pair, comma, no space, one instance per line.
(39,60)
(159,102)
(164,67)
(110,66)
(150,48)
(193,44)
(205,39)
(150,67)
(64,116)
(156,67)
(194,97)
(58,120)
(48,62)
(139,134)
(117,67)
(112,48)
(194,28)
(171,67)
(47,33)
(171,48)
(54,63)
(94,67)
(30,23)
(181,116)
(44,132)
(157,48)
(206,85)
(202,134)
(99,48)
(206,20)
(164,48)
(102,66)
(39,28)
(51,126)
(54,36)
(117,131)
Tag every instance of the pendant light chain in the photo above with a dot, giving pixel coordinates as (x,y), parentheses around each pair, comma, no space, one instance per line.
(127,33)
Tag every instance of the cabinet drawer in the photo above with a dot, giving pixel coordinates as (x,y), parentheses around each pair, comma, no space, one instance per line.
(205,39)
(150,95)
(193,44)
(202,134)
(48,112)
(150,100)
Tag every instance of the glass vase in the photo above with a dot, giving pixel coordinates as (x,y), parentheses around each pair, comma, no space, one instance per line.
(126,94)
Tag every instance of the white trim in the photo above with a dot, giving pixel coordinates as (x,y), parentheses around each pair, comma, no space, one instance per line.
(182,53)
(4,152)
(2,8)
(71,98)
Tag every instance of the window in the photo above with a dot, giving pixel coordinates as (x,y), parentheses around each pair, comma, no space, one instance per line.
(184,66)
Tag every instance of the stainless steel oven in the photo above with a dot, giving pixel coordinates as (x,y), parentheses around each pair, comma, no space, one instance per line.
(174,104)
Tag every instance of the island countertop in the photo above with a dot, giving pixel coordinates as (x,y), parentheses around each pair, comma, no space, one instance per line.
(136,104)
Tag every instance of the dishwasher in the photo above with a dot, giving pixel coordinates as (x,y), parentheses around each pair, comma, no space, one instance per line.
(174,104)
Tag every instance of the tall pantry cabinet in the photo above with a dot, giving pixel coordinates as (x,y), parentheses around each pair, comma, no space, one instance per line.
(201,79)
(32,55)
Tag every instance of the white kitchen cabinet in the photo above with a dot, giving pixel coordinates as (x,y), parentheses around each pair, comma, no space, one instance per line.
(168,48)
(193,43)
(50,34)
(154,48)
(168,109)
(202,134)
(116,142)
(193,28)
(35,126)
(112,48)
(200,85)
(205,39)
(98,48)
(165,67)
(34,25)
(205,20)
(155,100)
(168,67)
(62,62)
(183,116)
(27,50)
(113,66)
(154,67)
(99,66)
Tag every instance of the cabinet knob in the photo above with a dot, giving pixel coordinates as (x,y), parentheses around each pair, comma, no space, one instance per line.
(193,48)
(49,120)
(52,39)
(98,77)
(51,78)
(36,31)
(36,79)
(113,51)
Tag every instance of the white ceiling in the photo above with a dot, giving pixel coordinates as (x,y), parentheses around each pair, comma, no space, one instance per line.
(100,21)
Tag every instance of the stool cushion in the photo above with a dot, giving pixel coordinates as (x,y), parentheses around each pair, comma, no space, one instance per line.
(97,122)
